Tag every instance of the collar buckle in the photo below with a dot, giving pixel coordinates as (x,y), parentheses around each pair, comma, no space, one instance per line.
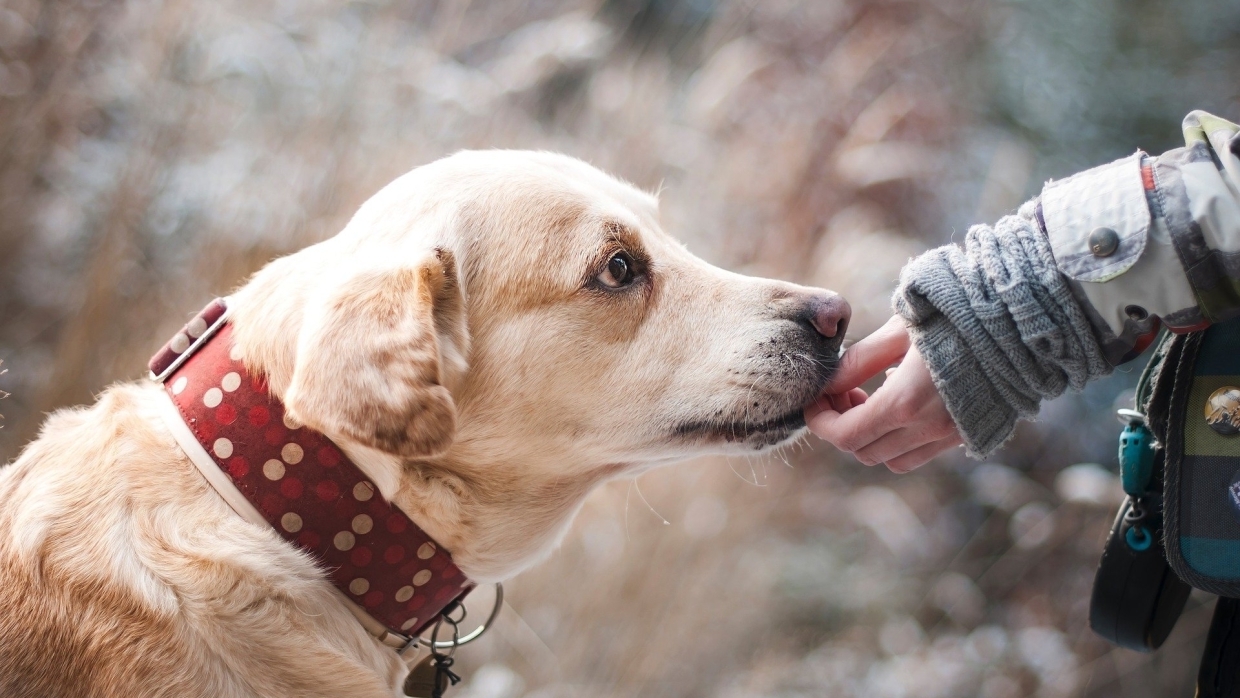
(192,336)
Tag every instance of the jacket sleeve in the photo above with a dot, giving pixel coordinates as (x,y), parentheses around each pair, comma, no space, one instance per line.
(1145,240)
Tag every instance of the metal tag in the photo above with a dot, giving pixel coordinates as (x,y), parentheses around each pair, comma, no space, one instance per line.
(425,680)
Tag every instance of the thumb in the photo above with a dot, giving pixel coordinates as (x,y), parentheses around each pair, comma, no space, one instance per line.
(868,357)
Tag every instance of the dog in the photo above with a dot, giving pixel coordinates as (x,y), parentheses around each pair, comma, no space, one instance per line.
(492,336)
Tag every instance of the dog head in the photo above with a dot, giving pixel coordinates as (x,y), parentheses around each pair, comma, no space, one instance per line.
(516,327)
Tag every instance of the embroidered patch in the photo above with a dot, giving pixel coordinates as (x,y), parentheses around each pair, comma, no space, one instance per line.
(1233,494)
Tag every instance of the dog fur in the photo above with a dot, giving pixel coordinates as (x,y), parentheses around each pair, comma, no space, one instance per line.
(460,341)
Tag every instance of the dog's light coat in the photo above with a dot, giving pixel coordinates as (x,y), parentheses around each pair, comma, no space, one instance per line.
(455,341)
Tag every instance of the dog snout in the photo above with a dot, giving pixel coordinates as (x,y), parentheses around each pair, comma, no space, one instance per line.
(828,315)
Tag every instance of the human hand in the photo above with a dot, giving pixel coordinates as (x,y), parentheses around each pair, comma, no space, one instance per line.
(903,424)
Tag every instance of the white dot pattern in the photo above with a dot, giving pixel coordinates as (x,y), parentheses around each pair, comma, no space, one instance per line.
(223,448)
(344,540)
(179,343)
(213,397)
(273,469)
(306,473)
(196,327)
(291,522)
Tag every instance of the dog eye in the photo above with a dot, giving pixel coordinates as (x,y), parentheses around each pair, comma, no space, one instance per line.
(620,271)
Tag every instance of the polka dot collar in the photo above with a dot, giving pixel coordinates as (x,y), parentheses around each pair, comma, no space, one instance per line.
(302,484)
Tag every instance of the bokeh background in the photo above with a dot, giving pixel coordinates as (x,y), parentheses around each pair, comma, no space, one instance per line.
(153,154)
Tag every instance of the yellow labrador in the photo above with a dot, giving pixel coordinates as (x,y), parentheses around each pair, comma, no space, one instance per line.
(492,336)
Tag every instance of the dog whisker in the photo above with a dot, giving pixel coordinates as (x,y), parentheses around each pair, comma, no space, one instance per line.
(638,487)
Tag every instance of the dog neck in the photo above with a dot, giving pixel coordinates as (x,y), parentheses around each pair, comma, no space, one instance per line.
(275,472)
(501,515)
(498,513)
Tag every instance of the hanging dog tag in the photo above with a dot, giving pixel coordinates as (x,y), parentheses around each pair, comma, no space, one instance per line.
(431,677)
(426,680)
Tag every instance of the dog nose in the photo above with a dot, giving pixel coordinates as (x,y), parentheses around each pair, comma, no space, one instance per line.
(829,315)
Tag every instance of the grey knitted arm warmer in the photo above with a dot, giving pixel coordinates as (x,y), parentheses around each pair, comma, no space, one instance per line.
(998,327)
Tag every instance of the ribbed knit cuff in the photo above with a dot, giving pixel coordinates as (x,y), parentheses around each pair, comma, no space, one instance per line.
(983,418)
(998,327)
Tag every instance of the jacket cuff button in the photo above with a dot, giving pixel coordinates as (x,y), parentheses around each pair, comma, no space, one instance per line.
(1103,242)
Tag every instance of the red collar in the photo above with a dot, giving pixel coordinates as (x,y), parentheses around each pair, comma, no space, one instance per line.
(302,484)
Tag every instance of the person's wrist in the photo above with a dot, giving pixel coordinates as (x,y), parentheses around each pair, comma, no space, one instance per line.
(982,417)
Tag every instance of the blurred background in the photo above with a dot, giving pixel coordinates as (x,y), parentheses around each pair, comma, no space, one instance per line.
(156,153)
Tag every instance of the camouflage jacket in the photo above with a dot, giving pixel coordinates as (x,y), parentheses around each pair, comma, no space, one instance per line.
(1150,239)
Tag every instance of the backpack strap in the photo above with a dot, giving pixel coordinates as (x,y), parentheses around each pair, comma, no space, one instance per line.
(1219,676)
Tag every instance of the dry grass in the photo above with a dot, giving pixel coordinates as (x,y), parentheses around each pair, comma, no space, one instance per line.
(157,153)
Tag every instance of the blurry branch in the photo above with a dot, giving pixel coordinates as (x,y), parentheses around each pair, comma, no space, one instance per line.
(40,109)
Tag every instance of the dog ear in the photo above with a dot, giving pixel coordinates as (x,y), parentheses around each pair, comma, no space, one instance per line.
(372,358)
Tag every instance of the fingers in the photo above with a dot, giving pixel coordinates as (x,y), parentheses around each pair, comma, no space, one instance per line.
(839,402)
(855,429)
(842,402)
(923,454)
(904,440)
(871,355)
(903,424)
(892,445)
(858,396)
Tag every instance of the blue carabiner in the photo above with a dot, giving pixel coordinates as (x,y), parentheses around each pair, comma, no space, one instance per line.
(1136,458)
